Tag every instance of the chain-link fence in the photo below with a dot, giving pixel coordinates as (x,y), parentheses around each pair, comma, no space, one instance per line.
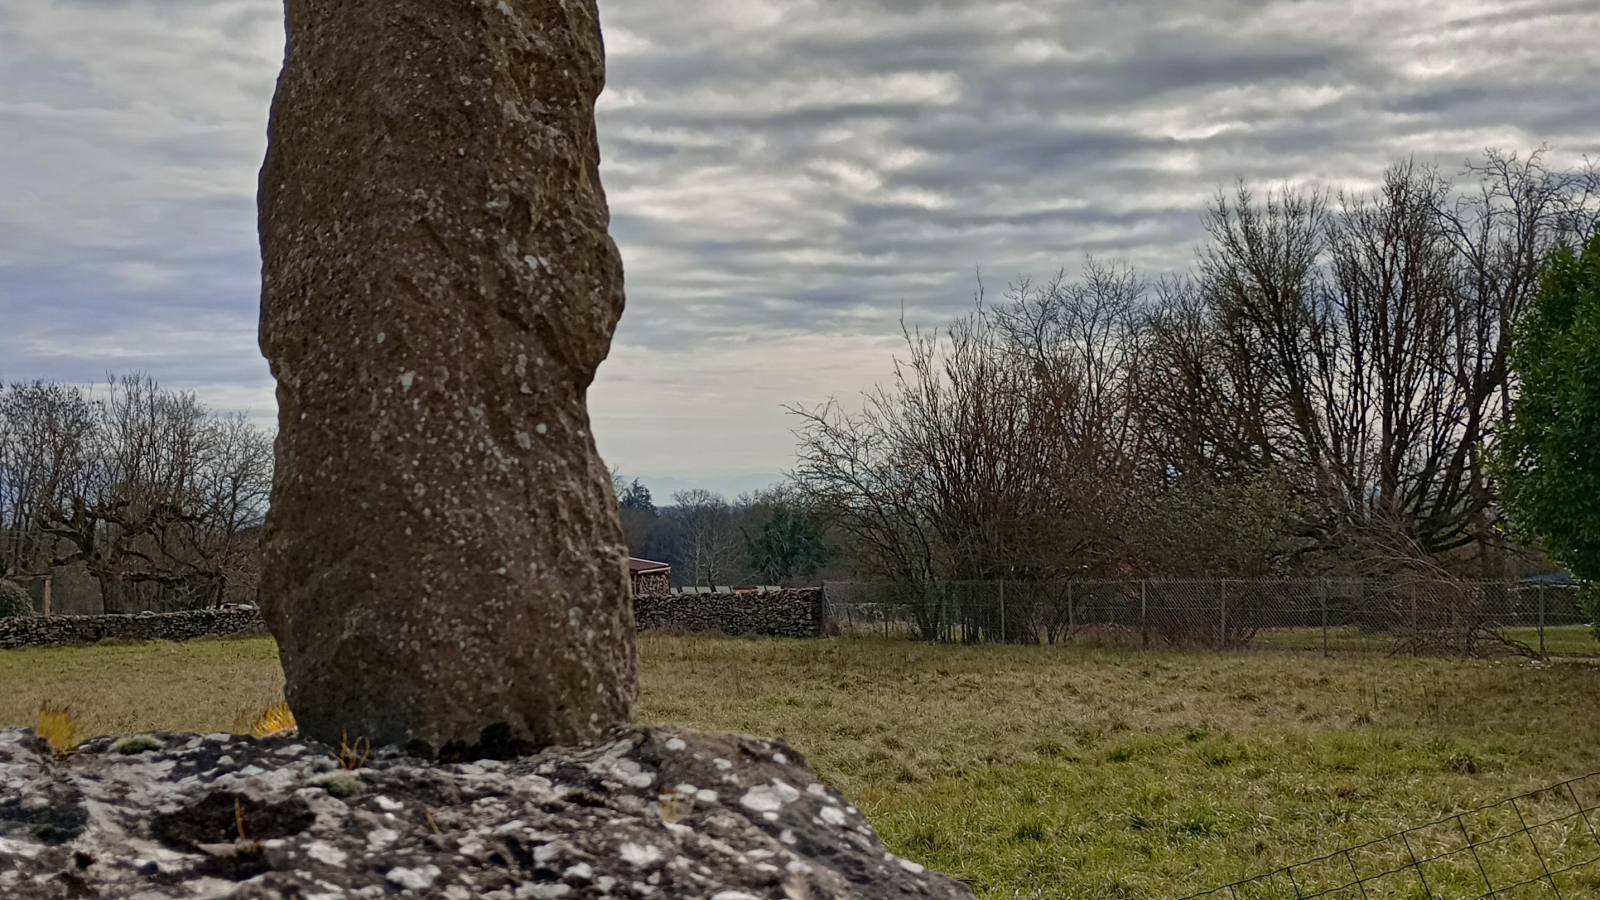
(1418,616)
(1539,844)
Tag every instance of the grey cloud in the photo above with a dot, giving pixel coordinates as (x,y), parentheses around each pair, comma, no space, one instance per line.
(777,170)
(1438,100)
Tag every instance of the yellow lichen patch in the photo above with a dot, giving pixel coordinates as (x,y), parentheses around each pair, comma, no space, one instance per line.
(276,720)
(59,727)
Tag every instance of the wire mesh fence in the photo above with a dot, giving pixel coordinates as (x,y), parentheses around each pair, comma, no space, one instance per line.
(1540,844)
(1417,617)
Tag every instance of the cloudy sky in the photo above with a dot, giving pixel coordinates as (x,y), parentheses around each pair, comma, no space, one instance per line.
(785,177)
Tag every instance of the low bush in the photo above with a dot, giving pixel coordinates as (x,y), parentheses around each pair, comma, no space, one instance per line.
(14,600)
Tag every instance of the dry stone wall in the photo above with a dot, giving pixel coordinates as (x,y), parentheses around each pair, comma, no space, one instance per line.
(42,631)
(794,613)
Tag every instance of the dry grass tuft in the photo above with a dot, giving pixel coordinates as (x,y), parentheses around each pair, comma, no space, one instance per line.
(59,727)
(276,720)
(353,756)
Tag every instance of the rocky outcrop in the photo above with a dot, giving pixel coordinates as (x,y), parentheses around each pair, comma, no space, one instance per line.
(651,813)
(792,613)
(43,631)
(443,554)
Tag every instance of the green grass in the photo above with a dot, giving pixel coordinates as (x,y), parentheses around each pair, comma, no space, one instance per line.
(203,686)
(1559,640)
(1026,771)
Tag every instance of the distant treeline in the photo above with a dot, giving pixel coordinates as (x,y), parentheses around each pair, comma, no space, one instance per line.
(1318,395)
(155,496)
(763,537)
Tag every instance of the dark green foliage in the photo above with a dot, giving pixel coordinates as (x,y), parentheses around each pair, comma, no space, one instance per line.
(788,546)
(1589,598)
(637,497)
(14,600)
(1548,460)
(641,521)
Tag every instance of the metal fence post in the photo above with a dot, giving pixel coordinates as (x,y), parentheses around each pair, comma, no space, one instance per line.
(1542,590)
(1072,625)
(1416,646)
(1144,618)
(1360,606)
(939,625)
(1004,637)
(1322,590)
(1222,614)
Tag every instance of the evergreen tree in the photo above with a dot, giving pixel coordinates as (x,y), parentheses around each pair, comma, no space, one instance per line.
(1548,460)
(787,547)
(637,497)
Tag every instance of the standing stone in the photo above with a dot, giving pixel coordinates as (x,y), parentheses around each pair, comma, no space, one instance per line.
(443,564)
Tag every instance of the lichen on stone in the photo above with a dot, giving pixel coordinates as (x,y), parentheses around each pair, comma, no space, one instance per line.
(245,818)
(137,743)
(342,783)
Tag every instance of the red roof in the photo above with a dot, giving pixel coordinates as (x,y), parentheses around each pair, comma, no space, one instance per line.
(638,566)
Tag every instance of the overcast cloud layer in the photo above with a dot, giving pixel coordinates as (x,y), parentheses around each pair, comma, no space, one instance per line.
(783,176)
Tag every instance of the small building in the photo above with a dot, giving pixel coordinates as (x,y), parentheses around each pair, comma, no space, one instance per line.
(649,578)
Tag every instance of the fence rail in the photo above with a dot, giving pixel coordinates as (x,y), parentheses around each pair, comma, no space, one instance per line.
(1419,617)
(1539,844)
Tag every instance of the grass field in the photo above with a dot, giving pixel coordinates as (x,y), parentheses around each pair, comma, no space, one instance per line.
(1559,640)
(1026,771)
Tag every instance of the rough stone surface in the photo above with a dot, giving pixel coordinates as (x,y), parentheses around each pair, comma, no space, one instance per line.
(651,813)
(43,631)
(793,613)
(443,552)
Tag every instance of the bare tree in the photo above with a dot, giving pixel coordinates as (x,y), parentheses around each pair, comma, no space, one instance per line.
(45,434)
(1359,348)
(708,537)
(232,485)
(1004,450)
(1317,394)
(156,497)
